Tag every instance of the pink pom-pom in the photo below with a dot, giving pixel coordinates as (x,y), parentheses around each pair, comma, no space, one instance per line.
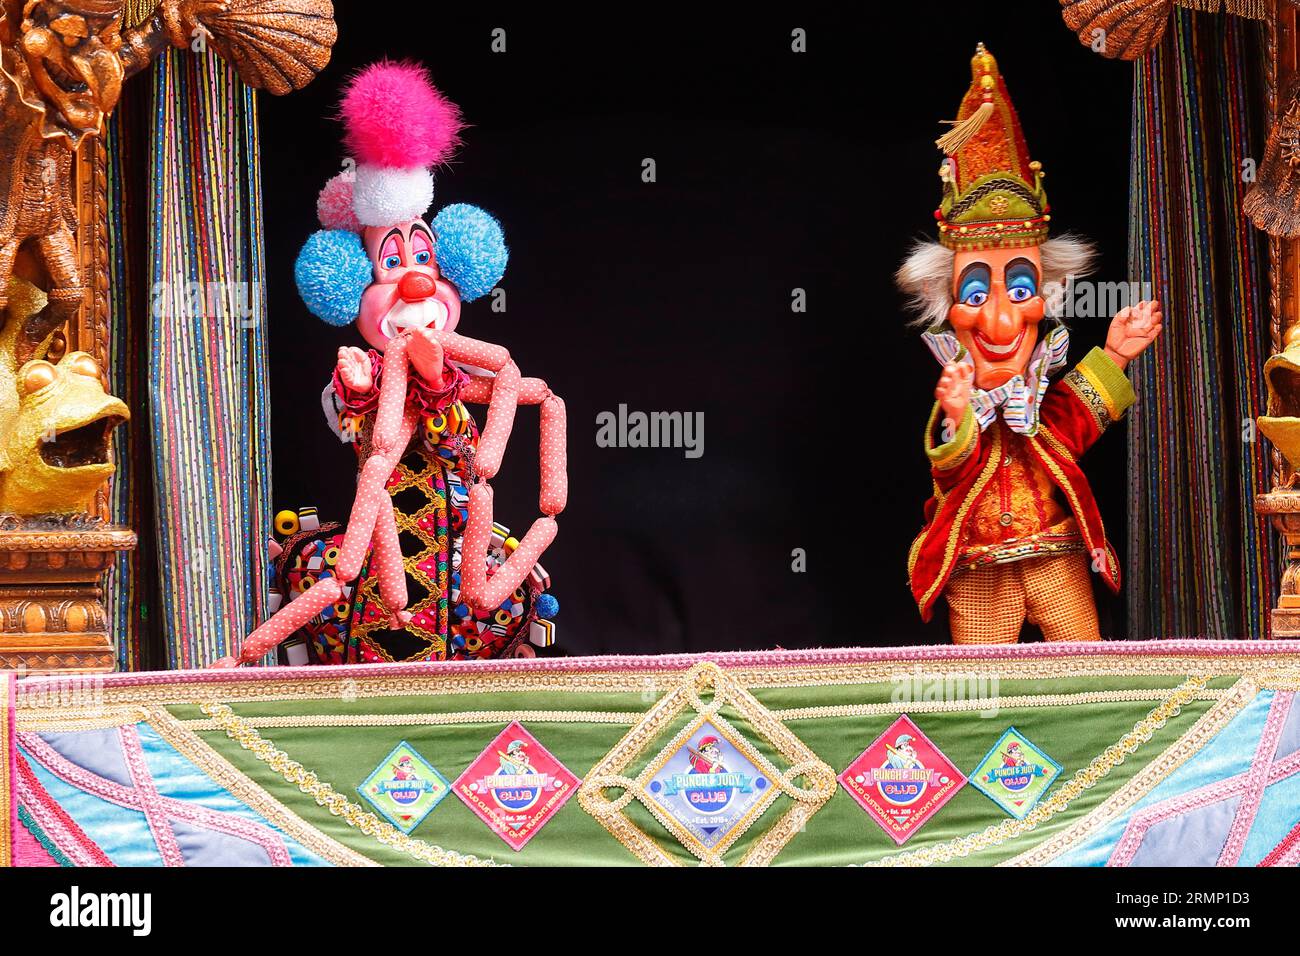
(334,205)
(396,118)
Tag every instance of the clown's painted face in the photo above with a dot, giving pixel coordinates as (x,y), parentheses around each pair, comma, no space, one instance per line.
(997,307)
(408,291)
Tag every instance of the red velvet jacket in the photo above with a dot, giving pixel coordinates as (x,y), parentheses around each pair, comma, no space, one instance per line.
(1074,412)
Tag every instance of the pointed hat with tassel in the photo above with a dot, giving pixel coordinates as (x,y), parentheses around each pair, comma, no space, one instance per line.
(993,193)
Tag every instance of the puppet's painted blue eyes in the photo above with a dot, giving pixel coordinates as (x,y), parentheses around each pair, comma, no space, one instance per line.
(1021,294)
(976,298)
(422,257)
(392,262)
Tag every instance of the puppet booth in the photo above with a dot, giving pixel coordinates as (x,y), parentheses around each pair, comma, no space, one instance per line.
(280,293)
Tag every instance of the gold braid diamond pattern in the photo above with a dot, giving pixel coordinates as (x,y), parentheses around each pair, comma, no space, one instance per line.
(238,730)
(610,772)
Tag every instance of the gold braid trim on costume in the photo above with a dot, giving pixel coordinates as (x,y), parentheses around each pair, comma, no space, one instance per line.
(950,552)
(1060,800)
(238,730)
(1078,383)
(1057,445)
(1077,508)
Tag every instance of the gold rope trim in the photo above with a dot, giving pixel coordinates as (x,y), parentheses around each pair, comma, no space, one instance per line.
(300,721)
(1060,800)
(92,718)
(429,720)
(237,729)
(1273,671)
(978,704)
(1177,754)
(241,786)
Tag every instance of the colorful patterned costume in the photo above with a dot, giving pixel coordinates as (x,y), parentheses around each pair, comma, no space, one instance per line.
(423,497)
(1012,530)
(996,503)
(428,490)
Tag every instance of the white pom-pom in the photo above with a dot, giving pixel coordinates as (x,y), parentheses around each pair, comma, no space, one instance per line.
(383,196)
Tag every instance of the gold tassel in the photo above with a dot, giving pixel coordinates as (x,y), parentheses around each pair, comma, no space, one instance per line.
(1253,9)
(1204,6)
(963,132)
(138,11)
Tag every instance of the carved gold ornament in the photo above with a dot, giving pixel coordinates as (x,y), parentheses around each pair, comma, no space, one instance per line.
(56,421)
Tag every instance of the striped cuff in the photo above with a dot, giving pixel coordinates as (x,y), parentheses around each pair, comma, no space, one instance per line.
(952,453)
(1102,386)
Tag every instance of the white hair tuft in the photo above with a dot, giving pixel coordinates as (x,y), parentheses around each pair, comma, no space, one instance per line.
(383,196)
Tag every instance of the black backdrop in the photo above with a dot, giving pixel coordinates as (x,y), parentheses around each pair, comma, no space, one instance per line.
(775,170)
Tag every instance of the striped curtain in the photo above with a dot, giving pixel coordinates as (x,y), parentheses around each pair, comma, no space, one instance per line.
(1200,562)
(191,355)
(131,591)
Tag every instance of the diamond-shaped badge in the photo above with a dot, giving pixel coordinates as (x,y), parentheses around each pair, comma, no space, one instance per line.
(706,782)
(708,785)
(404,787)
(515,786)
(902,779)
(1015,774)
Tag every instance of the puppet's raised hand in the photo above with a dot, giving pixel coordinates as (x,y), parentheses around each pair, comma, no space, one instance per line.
(1132,330)
(425,352)
(354,369)
(954,389)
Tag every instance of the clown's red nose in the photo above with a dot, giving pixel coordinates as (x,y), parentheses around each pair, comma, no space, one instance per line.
(415,287)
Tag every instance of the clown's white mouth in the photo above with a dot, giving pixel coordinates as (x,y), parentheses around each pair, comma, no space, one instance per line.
(427,313)
(995,351)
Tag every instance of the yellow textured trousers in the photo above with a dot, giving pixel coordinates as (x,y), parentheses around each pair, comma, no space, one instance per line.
(988,605)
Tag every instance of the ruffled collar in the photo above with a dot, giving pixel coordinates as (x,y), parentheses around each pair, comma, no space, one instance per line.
(1019,398)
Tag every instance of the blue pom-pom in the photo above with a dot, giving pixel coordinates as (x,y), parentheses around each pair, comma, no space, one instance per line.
(332,271)
(472,250)
(547,606)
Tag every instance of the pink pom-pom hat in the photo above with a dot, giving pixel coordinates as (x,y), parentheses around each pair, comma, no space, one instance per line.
(398,126)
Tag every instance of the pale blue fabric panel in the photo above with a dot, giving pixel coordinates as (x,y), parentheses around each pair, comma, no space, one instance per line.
(1195,838)
(122,834)
(1279,812)
(99,751)
(177,776)
(201,847)
(1229,753)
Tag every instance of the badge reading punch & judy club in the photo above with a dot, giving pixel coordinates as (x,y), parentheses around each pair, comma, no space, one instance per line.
(515,786)
(404,787)
(1015,774)
(902,780)
(709,789)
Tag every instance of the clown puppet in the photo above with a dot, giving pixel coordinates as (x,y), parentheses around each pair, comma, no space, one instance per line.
(1012,530)
(435,578)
